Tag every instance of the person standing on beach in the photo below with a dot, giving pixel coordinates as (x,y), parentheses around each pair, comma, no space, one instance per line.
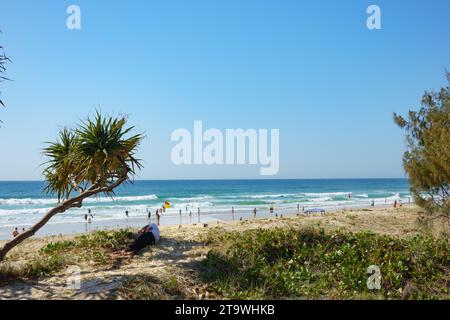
(85,217)
(298,207)
(373,203)
(198,212)
(126,213)
(158,216)
(395,204)
(15,232)
(149,213)
(232,213)
(254,213)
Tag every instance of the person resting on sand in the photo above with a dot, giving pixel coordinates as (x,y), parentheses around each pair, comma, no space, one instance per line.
(148,235)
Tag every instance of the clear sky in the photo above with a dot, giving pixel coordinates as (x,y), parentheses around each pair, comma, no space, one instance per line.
(310,68)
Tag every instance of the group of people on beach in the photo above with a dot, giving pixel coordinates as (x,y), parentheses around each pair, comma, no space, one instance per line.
(16,232)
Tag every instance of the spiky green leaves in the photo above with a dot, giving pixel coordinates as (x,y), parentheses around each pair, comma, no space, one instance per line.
(97,152)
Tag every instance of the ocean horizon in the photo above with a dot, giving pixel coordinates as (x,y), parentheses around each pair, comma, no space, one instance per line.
(22,203)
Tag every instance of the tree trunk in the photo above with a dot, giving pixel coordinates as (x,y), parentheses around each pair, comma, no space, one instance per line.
(62,207)
(32,231)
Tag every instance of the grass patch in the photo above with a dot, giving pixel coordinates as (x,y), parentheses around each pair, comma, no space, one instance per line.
(147,287)
(94,248)
(299,264)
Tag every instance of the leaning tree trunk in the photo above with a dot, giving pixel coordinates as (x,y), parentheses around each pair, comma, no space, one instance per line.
(75,202)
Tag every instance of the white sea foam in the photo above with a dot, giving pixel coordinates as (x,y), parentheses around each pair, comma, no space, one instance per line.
(325,194)
(43,201)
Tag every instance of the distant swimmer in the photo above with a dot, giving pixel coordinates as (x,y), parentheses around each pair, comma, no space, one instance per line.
(126,213)
(349,196)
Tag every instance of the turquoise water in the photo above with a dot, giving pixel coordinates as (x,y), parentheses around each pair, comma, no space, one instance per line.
(23,203)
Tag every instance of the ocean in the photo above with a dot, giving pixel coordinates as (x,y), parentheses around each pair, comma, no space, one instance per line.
(24,203)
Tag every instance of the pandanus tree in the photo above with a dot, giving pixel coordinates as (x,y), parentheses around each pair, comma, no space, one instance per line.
(92,159)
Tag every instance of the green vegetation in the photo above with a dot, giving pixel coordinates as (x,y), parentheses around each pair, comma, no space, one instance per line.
(293,264)
(147,287)
(93,158)
(427,159)
(95,248)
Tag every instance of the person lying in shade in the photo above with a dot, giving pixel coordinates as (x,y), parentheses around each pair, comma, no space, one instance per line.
(147,236)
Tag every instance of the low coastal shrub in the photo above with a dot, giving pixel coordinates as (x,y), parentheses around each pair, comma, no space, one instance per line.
(95,247)
(306,264)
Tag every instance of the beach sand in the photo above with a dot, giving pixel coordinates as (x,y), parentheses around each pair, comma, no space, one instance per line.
(181,248)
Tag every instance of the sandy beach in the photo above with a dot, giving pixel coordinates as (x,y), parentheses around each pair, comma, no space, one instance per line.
(182,247)
(139,219)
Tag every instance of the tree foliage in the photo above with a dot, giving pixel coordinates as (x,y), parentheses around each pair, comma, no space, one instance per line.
(427,158)
(97,152)
(94,158)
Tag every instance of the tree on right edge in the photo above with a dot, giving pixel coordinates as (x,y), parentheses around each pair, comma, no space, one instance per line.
(427,158)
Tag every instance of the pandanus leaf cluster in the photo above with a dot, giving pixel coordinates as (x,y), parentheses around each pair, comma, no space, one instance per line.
(96,153)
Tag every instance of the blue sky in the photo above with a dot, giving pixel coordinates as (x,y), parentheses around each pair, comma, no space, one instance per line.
(310,68)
